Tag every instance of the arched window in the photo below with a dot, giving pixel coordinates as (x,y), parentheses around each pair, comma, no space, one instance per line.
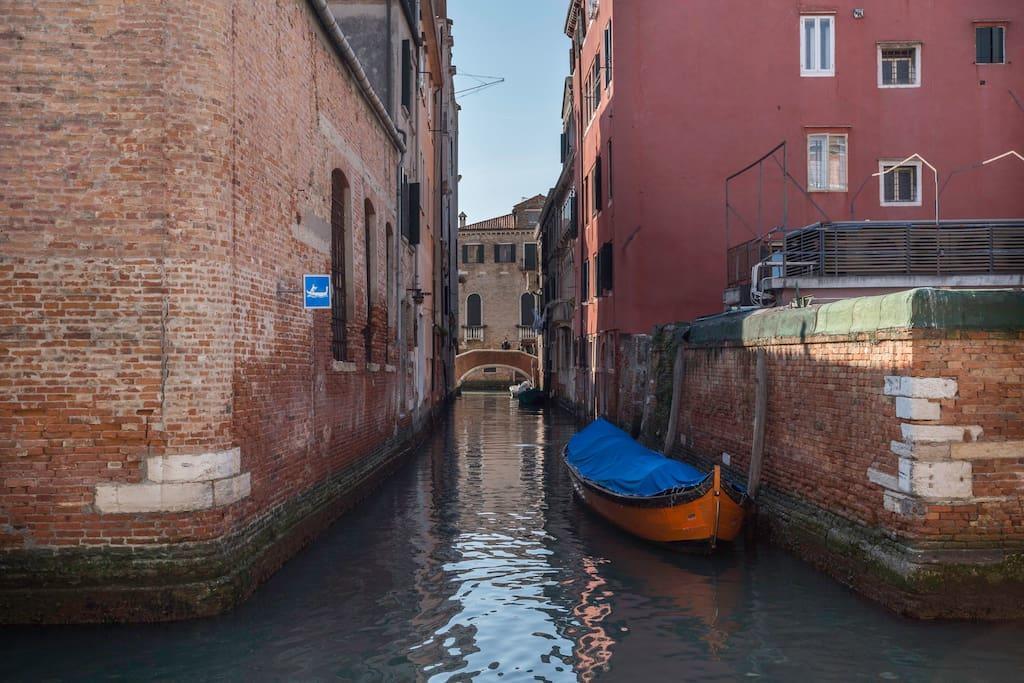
(526,306)
(369,253)
(474,311)
(340,257)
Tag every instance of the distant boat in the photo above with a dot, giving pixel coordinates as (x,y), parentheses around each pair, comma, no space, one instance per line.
(649,495)
(312,293)
(531,397)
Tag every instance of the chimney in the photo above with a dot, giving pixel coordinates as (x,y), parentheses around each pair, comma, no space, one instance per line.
(462,220)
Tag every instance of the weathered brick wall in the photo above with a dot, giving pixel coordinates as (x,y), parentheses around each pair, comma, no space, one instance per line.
(159,187)
(937,460)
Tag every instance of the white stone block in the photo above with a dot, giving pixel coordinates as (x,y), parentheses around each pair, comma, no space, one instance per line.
(902,504)
(154,497)
(201,467)
(920,451)
(231,490)
(985,450)
(916,409)
(939,433)
(886,481)
(920,387)
(926,479)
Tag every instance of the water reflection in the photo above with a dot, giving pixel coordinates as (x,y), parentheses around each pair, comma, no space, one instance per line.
(474,562)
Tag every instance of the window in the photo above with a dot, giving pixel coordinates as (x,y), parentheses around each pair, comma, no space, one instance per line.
(340,253)
(369,256)
(474,311)
(530,256)
(569,214)
(604,269)
(407,75)
(900,185)
(585,281)
(595,187)
(817,45)
(990,42)
(595,72)
(504,253)
(899,66)
(472,253)
(826,163)
(527,304)
(608,53)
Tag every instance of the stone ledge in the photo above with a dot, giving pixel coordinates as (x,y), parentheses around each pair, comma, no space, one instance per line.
(343,366)
(153,497)
(987,450)
(919,387)
(191,468)
(940,433)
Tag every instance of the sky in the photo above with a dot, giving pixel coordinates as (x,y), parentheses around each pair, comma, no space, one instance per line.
(508,133)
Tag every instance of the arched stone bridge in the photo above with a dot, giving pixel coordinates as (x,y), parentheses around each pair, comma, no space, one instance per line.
(526,365)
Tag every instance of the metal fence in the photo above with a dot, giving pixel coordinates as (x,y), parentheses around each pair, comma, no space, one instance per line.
(909,248)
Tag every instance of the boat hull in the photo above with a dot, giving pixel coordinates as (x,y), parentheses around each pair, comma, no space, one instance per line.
(710,516)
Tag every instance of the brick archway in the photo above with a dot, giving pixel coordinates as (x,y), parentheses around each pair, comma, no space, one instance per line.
(524,363)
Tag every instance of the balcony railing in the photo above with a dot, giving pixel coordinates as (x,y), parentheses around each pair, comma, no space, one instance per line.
(473,333)
(887,248)
(526,333)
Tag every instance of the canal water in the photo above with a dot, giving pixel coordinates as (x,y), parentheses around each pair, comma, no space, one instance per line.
(475,562)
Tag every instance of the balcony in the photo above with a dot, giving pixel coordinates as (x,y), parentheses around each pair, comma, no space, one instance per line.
(525,333)
(473,332)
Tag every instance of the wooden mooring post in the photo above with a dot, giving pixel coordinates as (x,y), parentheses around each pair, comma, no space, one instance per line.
(760,411)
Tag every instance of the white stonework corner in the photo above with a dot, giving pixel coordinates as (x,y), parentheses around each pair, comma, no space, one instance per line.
(916,409)
(231,490)
(920,451)
(886,481)
(179,483)
(902,504)
(939,433)
(202,467)
(153,497)
(935,479)
(920,387)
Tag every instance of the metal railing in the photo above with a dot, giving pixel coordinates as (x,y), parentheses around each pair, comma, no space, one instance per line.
(905,248)
(473,333)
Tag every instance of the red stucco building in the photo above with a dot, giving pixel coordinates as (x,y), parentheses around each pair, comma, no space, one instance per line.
(670,99)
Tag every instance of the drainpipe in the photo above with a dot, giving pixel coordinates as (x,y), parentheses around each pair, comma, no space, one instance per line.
(348,57)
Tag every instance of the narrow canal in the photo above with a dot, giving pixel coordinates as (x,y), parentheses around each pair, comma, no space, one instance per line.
(474,561)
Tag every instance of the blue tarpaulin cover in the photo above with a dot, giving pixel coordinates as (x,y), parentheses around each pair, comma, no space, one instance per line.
(607,456)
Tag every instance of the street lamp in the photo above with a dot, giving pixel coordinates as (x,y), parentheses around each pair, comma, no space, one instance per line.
(935,172)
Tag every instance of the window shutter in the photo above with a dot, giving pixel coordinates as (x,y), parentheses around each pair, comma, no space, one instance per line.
(414,213)
(465,253)
(407,75)
(512,247)
(890,186)
(998,43)
(983,39)
(598,198)
(605,268)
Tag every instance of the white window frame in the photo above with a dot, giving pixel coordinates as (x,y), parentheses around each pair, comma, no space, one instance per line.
(917,64)
(828,188)
(816,71)
(882,165)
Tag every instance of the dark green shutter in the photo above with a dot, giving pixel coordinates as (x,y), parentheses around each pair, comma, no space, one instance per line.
(407,74)
(983,40)
(414,213)
(465,253)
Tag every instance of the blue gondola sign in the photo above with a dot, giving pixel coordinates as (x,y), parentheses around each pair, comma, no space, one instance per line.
(316,291)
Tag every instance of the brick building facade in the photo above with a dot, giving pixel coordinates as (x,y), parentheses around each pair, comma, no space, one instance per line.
(173,423)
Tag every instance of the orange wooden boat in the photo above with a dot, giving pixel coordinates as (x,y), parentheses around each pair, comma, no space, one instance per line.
(649,495)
